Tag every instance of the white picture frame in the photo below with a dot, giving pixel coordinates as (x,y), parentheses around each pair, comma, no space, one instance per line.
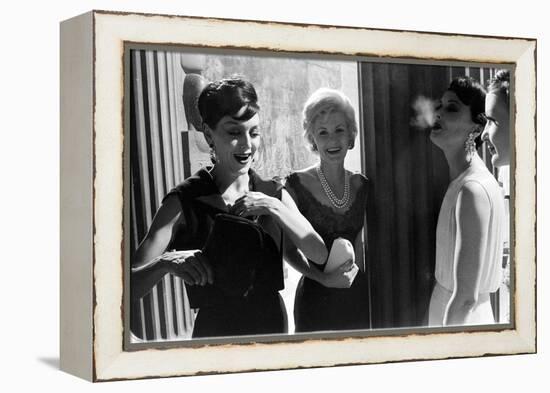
(92,152)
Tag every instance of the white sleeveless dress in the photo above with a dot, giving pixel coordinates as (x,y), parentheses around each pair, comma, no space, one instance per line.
(445,265)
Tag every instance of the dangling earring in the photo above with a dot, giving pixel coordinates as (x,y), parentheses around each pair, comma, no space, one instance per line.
(470,146)
(213,157)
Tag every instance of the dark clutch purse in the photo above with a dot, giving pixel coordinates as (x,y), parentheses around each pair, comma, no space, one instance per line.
(235,249)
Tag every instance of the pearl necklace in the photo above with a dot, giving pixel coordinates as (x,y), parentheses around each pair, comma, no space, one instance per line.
(338,203)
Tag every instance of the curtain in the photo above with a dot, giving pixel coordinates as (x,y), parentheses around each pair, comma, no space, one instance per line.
(159,156)
(408,177)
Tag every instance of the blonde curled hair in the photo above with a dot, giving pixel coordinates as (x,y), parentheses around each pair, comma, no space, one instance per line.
(325,100)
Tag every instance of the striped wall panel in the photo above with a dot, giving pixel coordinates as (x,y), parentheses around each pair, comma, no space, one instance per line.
(157,165)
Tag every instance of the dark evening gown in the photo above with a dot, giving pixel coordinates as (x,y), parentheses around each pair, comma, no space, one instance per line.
(263,311)
(317,307)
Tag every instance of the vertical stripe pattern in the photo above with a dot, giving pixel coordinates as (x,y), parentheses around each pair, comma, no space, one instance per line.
(157,165)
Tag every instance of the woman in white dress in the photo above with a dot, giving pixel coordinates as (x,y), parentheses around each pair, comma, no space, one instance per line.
(469,237)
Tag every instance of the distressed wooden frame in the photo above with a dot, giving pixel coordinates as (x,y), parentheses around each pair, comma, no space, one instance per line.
(92,141)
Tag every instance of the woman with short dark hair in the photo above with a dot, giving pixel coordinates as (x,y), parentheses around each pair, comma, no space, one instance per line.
(183,223)
(470,227)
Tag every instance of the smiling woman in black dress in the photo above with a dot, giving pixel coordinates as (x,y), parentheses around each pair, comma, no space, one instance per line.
(181,226)
(333,199)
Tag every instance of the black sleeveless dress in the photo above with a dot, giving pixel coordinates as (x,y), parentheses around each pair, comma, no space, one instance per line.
(263,311)
(317,307)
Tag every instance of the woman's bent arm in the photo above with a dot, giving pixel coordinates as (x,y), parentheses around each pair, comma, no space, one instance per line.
(299,262)
(288,217)
(340,278)
(151,261)
(472,218)
(147,268)
(299,230)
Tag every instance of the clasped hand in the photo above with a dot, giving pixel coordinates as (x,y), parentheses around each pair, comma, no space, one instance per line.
(342,277)
(191,265)
(253,203)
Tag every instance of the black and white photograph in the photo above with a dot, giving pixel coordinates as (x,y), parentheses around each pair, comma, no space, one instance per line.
(278,196)
(244,196)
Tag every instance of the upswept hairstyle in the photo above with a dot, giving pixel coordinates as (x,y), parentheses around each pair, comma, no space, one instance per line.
(226,97)
(500,85)
(325,100)
(471,93)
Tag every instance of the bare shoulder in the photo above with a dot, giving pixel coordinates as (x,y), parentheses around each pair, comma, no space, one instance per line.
(473,196)
(310,171)
(473,190)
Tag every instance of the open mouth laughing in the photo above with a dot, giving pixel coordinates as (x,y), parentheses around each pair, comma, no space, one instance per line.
(333,150)
(243,158)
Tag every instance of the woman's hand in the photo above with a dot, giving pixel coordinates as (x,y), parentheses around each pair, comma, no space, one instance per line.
(342,277)
(254,203)
(191,265)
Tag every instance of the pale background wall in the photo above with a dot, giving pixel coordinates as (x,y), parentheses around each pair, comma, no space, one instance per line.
(29,199)
(283,85)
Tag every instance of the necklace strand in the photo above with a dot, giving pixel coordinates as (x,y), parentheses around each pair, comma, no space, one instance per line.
(338,203)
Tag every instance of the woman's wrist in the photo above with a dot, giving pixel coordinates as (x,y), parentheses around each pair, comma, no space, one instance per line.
(168,266)
(158,264)
(275,207)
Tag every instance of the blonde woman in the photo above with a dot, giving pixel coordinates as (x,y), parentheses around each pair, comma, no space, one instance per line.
(333,199)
